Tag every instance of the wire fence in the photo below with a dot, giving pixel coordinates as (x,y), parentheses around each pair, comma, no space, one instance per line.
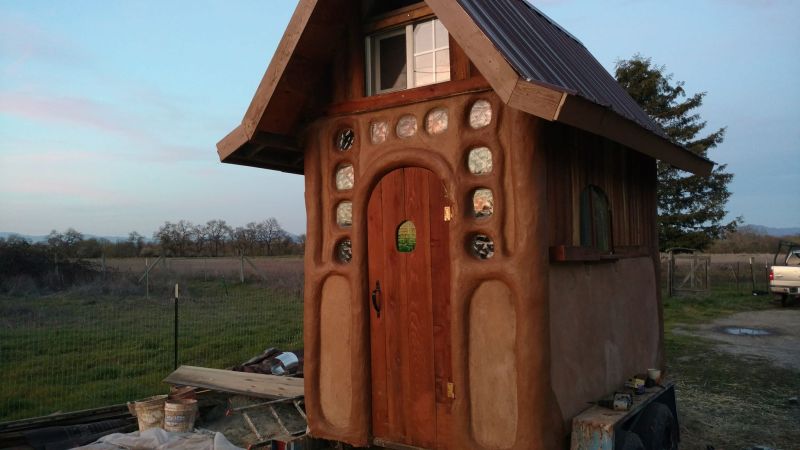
(744,273)
(105,343)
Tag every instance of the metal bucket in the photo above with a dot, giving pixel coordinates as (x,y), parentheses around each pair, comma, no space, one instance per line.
(150,412)
(179,415)
(284,364)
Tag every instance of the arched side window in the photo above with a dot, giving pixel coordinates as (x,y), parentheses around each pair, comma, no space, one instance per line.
(596,219)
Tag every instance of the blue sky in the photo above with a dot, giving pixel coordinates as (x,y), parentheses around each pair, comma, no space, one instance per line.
(110,111)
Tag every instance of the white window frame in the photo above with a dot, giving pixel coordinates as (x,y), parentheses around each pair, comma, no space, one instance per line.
(373,58)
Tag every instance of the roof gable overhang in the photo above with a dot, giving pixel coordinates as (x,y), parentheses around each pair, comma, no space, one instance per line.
(576,90)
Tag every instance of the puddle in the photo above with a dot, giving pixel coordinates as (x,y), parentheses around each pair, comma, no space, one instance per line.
(743,331)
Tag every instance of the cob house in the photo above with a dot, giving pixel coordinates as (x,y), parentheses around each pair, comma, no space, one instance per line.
(482,255)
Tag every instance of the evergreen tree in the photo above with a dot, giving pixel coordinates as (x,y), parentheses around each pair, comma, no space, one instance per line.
(691,208)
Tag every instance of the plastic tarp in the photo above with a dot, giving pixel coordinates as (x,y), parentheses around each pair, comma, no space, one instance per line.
(158,439)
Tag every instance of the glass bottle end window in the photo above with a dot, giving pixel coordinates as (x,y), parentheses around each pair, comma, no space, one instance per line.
(415,55)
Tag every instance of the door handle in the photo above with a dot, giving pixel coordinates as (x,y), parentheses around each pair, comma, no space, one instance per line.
(375,293)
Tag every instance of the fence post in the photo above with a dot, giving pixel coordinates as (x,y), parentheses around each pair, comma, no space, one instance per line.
(736,275)
(146,279)
(669,276)
(752,276)
(241,266)
(175,343)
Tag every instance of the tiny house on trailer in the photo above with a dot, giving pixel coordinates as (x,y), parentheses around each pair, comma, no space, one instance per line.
(481,257)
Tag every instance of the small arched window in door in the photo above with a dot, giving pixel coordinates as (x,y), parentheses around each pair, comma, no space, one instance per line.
(406,237)
(596,219)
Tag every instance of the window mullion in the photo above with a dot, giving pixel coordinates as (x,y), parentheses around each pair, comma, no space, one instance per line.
(410,69)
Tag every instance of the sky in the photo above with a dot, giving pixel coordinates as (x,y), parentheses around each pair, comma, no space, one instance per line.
(110,111)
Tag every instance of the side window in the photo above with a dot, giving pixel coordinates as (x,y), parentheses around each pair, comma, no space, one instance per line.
(595,217)
(414,55)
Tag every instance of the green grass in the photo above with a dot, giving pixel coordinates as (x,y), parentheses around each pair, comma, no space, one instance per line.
(725,400)
(73,350)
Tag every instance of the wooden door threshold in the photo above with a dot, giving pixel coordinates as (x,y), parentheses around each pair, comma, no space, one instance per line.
(393,445)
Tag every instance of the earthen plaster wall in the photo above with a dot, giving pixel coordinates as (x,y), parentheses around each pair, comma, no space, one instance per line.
(499,310)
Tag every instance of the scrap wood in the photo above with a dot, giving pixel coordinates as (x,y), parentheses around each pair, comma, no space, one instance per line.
(250,384)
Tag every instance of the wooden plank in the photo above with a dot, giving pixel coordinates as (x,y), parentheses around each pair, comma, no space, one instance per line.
(410,96)
(440,291)
(394,270)
(375,249)
(539,100)
(250,384)
(419,371)
(481,51)
(398,17)
(459,62)
(585,115)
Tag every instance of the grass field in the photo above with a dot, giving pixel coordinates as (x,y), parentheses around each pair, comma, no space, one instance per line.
(106,344)
(78,350)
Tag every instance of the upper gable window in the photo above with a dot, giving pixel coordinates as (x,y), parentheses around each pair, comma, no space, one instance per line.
(415,55)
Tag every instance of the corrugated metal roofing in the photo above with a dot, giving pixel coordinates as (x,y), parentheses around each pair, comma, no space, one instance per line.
(541,51)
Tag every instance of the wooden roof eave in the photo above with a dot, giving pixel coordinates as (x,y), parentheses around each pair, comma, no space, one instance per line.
(266,136)
(269,123)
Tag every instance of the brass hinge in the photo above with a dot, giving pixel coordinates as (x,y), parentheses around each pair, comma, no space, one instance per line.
(448,214)
(451,390)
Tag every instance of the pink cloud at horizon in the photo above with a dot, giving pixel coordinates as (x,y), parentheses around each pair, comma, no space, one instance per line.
(71,110)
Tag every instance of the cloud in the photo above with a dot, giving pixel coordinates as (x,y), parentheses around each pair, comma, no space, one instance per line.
(22,41)
(69,110)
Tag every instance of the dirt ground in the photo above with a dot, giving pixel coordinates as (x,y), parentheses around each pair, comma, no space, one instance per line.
(740,391)
(781,344)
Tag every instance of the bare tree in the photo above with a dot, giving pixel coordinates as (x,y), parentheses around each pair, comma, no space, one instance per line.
(216,230)
(270,234)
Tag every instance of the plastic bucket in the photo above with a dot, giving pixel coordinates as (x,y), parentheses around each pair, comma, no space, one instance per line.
(150,412)
(179,415)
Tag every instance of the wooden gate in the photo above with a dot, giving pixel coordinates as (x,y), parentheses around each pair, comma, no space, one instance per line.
(409,280)
(688,274)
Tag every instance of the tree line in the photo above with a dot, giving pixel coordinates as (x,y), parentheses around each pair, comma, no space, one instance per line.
(182,238)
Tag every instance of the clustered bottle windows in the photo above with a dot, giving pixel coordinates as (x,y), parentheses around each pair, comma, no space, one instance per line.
(479,162)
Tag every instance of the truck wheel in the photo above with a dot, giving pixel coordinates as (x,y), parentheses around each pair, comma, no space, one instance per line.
(784,300)
(657,428)
(625,440)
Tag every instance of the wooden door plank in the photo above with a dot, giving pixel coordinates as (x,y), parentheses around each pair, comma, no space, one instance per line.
(392,314)
(419,372)
(440,294)
(375,249)
(250,384)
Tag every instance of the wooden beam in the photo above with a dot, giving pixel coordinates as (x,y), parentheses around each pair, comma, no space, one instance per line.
(536,99)
(585,115)
(399,17)
(249,384)
(409,96)
(286,48)
(482,52)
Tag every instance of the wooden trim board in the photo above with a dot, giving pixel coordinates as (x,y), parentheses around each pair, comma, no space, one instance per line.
(250,384)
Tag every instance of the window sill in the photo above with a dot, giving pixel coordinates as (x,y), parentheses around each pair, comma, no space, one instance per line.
(566,254)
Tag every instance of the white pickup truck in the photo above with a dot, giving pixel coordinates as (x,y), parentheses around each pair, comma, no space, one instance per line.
(784,280)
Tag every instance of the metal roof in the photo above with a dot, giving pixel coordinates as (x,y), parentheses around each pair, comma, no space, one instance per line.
(541,51)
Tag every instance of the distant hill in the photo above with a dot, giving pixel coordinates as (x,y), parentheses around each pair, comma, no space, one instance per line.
(771,231)
(36,239)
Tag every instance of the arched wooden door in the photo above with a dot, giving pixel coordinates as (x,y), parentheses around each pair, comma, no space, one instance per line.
(409,276)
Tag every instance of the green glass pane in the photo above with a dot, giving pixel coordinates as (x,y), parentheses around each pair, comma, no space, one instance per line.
(406,237)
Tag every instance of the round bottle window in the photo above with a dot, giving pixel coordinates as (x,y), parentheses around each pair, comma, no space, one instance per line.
(345,139)
(344,251)
(482,246)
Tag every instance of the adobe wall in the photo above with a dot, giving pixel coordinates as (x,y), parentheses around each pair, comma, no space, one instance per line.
(605,327)
(500,336)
